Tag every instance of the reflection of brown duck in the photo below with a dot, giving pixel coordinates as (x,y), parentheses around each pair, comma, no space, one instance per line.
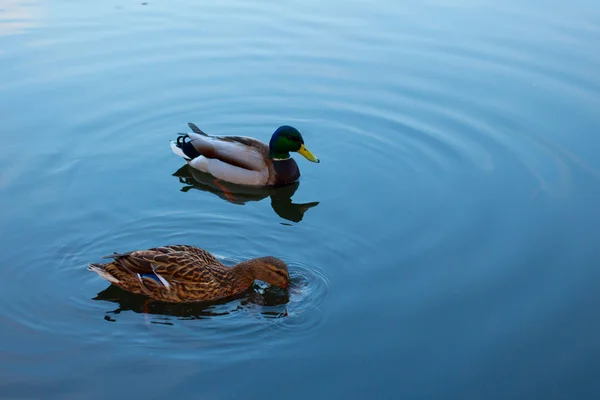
(281,196)
(274,299)
(180,274)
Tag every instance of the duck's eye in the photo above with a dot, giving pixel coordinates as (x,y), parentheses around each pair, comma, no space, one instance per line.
(280,273)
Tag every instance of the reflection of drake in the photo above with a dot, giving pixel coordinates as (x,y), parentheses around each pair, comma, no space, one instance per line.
(244,160)
(273,299)
(281,196)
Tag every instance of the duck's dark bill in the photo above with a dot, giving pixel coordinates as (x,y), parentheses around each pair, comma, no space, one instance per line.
(307,154)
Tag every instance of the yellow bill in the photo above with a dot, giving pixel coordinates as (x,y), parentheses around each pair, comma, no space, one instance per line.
(307,154)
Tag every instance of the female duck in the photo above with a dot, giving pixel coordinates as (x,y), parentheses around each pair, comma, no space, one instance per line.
(244,160)
(180,274)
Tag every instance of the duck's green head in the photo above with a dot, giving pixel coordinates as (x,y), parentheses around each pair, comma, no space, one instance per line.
(286,139)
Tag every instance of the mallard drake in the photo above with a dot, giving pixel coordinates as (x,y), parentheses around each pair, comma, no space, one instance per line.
(181,274)
(244,160)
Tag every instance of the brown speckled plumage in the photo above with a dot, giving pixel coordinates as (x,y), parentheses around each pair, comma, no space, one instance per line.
(181,273)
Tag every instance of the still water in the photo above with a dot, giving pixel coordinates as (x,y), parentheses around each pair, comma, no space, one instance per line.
(445,247)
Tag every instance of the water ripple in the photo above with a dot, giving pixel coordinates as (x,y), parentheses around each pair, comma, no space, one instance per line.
(230,327)
(434,122)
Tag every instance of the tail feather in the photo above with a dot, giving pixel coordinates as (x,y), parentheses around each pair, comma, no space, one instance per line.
(195,129)
(183,146)
(99,269)
(116,255)
(177,150)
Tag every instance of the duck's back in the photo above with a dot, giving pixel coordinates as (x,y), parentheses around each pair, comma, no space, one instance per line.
(176,273)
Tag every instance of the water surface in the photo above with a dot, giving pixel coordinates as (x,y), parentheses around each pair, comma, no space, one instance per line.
(445,247)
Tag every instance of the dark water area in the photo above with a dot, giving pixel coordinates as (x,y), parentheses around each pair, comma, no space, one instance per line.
(446,247)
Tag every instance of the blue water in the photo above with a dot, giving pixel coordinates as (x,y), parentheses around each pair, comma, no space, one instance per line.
(446,247)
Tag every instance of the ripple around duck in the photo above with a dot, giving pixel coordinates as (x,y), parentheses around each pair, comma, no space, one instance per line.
(231,327)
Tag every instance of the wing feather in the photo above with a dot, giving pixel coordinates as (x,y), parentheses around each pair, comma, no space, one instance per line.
(168,265)
(238,151)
